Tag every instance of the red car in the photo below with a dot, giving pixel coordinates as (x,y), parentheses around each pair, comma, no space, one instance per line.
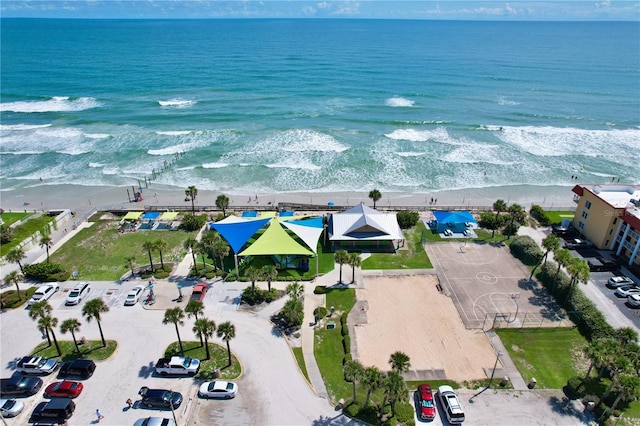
(426,405)
(64,389)
(199,291)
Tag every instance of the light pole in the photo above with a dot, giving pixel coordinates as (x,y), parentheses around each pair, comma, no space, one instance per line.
(493,372)
(172,410)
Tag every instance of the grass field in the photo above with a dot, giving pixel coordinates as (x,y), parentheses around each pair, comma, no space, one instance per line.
(412,256)
(557,216)
(27,229)
(219,359)
(99,252)
(552,356)
(92,349)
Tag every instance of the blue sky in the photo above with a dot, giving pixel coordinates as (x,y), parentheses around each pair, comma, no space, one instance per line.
(514,10)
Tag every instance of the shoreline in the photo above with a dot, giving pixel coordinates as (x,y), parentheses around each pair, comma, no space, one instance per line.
(86,198)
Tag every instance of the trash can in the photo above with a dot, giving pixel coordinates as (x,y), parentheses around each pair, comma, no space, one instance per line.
(505,381)
(532,383)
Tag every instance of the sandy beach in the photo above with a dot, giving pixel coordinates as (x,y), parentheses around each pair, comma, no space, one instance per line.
(47,196)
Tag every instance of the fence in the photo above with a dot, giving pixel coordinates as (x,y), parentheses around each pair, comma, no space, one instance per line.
(559,319)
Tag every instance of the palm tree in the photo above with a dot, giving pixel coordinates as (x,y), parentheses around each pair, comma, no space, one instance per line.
(517,216)
(498,206)
(595,351)
(205,328)
(39,310)
(46,241)
(353,371)
(253,274)
(578,270)
(399,362)
(131,262)
(192,244)
(49,323)
(227,331)
(355,261)
(16,255)
(14,278)
(194,308)
(222,203)
(393,386)
(175,316)
(269,273)
(160,245)
(221,250)
(203,249)
(628,387)
(562,257)
(295,290)
(621,367)
(149,246)
(375,195)
(92,310)
(341,257)
(72,325)
(371,380)
(549,243)
(192,192)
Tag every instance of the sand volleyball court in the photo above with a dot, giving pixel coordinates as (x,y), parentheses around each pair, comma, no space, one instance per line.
(408,314)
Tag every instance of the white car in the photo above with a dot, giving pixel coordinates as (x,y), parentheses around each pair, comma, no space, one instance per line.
(634,301)
(218,389)
(627,290)
(134,295)
(11,407)
(43,293)
(154,421)
(619,281)
(78,293)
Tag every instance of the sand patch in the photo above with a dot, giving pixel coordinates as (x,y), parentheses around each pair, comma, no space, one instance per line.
(408,314)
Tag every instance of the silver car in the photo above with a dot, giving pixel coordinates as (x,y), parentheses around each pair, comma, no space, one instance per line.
(615,282)
(154,421)
(43,293)
(11,407)
(627,290)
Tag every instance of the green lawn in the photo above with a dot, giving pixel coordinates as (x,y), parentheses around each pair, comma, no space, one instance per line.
(557,216)
(26,230)
(92,349)
(412,256)
(297,352)
(99,252)
(552,356)
(219,359)
(10,218)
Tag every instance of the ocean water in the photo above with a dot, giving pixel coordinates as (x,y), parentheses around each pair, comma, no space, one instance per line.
(275,106)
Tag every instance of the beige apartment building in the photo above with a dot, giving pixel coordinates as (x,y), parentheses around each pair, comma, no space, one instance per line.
(609,216)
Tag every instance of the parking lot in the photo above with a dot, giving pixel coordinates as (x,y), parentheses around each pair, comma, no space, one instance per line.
(487,283)
(599,281)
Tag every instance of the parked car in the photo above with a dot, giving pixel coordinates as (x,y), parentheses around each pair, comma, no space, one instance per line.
(43,293)
(627,290)
(177,365)
(426,404)
(20,385)
(78,293)
(619,281)
(451,404)
(57,410)
(634,301)
(218,389)
(154,421)
(63,389)
(577,243)
(36,365)
(134,295)
(160,398)
(81,368)
(199,291)
(11,407)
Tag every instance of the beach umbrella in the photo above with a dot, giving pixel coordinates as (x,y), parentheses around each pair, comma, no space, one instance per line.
(331,203)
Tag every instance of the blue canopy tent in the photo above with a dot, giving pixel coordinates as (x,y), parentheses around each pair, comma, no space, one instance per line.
(237,233)
(456,221)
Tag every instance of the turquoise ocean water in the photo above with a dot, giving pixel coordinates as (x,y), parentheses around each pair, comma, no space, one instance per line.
(272,106)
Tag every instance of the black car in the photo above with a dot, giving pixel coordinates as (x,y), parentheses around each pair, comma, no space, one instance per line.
(57,410)
(20,385)
(160,398)
(80,368)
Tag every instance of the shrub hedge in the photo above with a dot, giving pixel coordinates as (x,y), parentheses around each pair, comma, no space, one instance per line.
(526,249)
(46,272)
(540,215)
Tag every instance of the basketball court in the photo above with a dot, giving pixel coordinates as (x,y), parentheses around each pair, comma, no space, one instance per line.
(490,287)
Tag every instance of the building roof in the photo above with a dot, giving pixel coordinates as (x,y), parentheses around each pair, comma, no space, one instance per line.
(617,196)
(362,223)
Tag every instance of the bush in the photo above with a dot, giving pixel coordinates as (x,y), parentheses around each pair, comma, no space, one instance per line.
(320,312)
(526,249)
(346,344)
(191,222)
(540,215)
(254,295)
(45,271)
(320,289)
(407,219)
(270,296)
(391,422)
(575,385)
(352,409)
(404,413)
(348,357)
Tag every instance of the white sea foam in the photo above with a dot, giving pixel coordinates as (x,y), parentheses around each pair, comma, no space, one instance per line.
(96,135)
(399,102)
(18,127)
(303,140)
(293,164)
(55,104)
(215,165)
(411,154)
(177,103)
(504,101)
(439,134)
(476,153)
(174,132)
(95,165)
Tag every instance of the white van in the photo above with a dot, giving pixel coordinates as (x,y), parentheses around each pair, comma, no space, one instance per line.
(451,404)
(78,293)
